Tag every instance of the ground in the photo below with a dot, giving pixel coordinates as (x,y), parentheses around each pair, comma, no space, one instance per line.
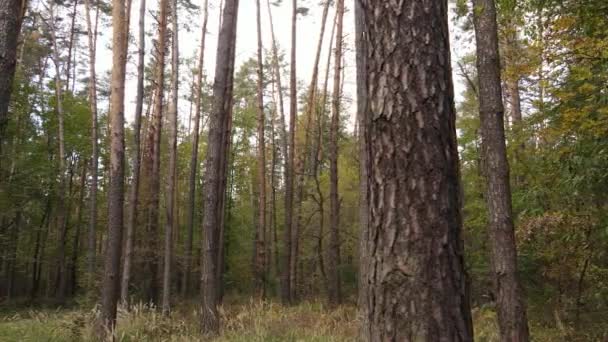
(242,321)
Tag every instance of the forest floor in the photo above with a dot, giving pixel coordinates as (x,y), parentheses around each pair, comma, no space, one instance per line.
(243,322)
(251,321)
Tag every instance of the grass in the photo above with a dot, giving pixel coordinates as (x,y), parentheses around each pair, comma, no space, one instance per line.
(252,321)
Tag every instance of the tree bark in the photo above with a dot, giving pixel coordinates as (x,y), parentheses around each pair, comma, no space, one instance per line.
(215,162)
(151,159)
(111,276)
(416,280)
(510,304)
(333,264)
(194,155)
(61,212)
(290,219)
(76,241)
(92,33)
(134,193)
(11,17)
(260,244)
(285,282)
(363,124)
(68,69)
(172,181)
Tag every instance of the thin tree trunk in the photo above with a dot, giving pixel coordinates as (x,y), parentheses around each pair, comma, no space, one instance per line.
(92,234)
(61,212)
(12,256)
(273,249)
(285,281)
(151,159)
(198,94)
(215,162)
(68,69)
(111,277)
(333,264)
(511,309)
(260,247)
(39,250)
(76,241)
(62,273)
(11,17)
(134,194)
(416,280)
(290,218)
(171,184)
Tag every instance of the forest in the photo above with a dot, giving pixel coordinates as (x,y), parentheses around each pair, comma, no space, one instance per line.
(304,170)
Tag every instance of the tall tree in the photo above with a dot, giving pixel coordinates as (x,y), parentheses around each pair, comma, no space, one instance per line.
(510,304)
(333,262)
(111,275)
(172,181)
(11,17)
(416,281)
(151,157)
(61,188)
(215,165)
(198,93)
(362,123)
(286,281)
(134,191)
(92,35)
(260,247)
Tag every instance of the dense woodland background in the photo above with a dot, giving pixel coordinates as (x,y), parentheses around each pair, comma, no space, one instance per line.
(289,230)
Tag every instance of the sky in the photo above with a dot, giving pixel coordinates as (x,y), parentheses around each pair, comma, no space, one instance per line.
(246,46)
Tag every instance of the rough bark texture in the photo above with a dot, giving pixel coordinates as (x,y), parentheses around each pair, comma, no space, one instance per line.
(510,304)
(416,281)
(215,165)
(333,260)
(194,155)
(260,244)
(172,176)
(10,27)
(134,191)
(363,124)
(111,275)
(91,33)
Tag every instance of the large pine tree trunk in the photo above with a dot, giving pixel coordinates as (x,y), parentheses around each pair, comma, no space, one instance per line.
(260,244)
(416,280)
(333,262)
(194,156)
(92,32)
(172,176)
(510,304)
(215,167)
(111,275)
(134,191)
(11,17)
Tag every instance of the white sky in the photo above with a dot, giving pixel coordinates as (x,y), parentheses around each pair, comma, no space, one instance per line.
(308,33)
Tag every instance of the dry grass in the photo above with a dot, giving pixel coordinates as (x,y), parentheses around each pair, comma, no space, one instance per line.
(248,322)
